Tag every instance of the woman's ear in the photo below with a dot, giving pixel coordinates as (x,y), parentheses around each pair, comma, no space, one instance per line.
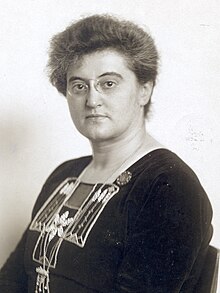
(146,93)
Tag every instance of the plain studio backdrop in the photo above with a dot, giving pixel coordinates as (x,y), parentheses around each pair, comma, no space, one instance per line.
(36,132)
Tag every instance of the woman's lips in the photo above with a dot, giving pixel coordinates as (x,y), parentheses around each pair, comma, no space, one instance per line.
(96,116)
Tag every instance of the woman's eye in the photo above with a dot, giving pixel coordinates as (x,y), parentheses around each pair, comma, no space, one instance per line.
(109,84)
(78,87)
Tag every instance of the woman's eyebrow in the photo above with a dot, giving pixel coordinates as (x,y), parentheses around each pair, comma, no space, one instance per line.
(112,73)
(72,78)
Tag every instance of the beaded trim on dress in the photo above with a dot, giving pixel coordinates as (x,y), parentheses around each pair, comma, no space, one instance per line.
(49,222)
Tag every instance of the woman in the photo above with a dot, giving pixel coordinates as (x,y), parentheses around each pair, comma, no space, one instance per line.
(132,217)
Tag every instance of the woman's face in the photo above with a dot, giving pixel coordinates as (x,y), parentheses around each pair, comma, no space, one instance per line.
(105,100)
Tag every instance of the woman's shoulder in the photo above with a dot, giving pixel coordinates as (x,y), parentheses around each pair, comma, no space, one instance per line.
(166,182)
(161,162)
(70,168)
(164,172)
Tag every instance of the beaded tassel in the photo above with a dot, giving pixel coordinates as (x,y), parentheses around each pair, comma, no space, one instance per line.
(42,284)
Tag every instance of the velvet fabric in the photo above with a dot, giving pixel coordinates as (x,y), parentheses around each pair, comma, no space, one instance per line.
(152,236)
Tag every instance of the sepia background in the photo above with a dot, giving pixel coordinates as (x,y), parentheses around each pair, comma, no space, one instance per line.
(36,132)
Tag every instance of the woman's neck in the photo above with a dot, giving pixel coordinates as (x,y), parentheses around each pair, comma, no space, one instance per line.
(111,159)
(112,153)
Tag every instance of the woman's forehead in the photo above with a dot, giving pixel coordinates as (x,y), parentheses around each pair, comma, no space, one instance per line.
(99,62)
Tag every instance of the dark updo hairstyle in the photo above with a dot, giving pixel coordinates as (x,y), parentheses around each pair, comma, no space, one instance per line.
(96,33)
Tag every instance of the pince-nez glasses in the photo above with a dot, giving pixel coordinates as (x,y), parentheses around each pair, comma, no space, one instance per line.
(104,85)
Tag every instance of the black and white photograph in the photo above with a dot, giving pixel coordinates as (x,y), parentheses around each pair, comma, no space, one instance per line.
(109,146)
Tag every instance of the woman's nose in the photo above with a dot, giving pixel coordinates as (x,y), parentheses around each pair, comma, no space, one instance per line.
(93,98)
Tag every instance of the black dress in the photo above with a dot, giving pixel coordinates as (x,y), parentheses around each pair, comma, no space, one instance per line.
(146,232)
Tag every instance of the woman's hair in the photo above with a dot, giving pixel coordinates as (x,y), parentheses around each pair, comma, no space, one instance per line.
(96,33)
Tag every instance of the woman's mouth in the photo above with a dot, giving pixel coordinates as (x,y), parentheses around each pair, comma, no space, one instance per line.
(96,116)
